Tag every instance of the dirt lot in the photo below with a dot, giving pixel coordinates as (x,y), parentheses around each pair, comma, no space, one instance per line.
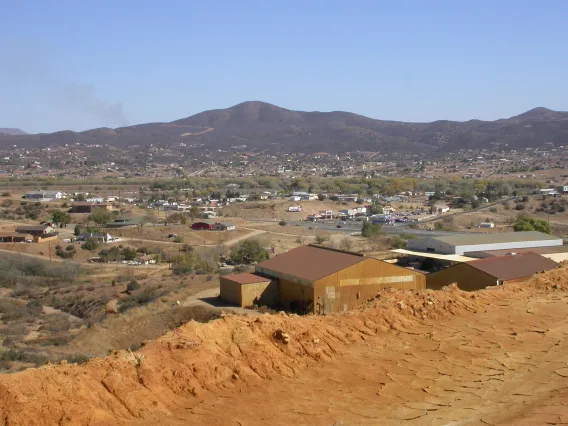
(496,356)
(189,236)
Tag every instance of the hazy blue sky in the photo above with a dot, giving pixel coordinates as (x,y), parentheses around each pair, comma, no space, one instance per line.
(82,64)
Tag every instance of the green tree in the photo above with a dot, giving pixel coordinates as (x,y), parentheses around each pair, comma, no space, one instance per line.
(370,229)
(100,216)
(526,223)
(193,213)
(249,251)
(77,230)
(61,218)
(129,253)
(91,244)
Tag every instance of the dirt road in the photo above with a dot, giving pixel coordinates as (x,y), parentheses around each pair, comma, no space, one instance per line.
(492,357)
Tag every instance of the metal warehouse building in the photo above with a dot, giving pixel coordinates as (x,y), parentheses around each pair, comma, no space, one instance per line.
(478,274)
(323,280)
(462,244)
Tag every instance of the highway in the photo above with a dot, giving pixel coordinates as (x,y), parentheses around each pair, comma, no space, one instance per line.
(354,227)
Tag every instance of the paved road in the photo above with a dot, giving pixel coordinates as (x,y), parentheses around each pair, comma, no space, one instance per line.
(355,228)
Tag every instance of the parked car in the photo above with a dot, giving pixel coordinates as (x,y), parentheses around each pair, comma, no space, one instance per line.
(339,226)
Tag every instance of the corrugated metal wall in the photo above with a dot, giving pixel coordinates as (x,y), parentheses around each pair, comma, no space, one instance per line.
(263,294)
(230,291)
(466,278)
(290,292)
(352,286)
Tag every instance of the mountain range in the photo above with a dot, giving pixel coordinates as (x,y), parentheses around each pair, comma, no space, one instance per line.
(11,131)
(264,127)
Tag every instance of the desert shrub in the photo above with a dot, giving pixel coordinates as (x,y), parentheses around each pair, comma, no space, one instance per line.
(56,323)
(90,244)
(132,286)
(397,243)
(22,356)
(68,253)
(320,239)
(146,296)
(15,329)
(346,244)
(77,359)
(282,223)
(493,209)
(520,206)
(369,229)
(178,239)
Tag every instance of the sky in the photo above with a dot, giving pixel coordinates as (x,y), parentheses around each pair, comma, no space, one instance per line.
(67,64)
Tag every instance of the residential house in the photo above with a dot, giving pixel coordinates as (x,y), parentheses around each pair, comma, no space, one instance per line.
(41,231)
(43,195)
(101,237)
(147,259)
(224,226)
(13,237)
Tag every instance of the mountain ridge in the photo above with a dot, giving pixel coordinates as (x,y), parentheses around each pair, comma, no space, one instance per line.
(263,126)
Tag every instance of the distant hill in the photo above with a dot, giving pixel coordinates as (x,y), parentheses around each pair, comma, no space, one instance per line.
(9,131)
(262,126)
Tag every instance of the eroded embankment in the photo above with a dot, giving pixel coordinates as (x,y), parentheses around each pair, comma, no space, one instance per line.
(169,373)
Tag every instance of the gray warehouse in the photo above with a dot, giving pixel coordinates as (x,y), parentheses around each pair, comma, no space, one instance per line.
(464,243)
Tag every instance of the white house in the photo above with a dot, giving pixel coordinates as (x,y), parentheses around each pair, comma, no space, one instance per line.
(440,208)
(44,195)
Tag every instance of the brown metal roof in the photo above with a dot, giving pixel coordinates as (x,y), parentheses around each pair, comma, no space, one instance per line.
(514,266)
(310,262)
(246,278)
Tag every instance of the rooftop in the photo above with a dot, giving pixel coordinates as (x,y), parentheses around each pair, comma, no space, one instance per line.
(513,266)
(246,278)
(503,237)
(497,253)
(310,262)
(32,228)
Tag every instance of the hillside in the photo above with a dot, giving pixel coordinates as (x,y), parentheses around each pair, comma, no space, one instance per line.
(496,356)
(11,131)
(262,126)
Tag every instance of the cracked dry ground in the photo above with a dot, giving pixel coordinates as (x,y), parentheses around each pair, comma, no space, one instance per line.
(504,366)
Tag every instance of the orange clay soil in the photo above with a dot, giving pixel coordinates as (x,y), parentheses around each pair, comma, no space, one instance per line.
(497,356)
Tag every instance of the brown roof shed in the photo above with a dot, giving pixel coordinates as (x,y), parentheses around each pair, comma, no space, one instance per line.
(513,267)
(246,278)
(310,262)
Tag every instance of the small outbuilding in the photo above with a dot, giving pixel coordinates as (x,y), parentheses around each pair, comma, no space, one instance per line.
(248,289)
(482,273)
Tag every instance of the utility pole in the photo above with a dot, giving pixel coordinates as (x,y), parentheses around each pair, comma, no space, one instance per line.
(50,250)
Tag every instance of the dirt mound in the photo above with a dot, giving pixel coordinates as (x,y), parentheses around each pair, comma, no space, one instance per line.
(177,369)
